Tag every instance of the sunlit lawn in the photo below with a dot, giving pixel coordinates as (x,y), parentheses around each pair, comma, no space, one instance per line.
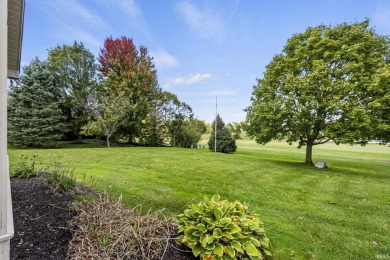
(335,213)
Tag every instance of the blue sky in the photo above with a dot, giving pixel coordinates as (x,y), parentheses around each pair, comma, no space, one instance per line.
(201,48)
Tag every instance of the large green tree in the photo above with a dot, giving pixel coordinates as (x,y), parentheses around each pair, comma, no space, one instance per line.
(175,113)
(75,69)
(190,132)
(327,84)
(124,68)
(34,115)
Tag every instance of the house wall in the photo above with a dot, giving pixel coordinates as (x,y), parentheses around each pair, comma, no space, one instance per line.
(6,220)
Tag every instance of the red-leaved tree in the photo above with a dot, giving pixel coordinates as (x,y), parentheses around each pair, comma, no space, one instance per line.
(130,70)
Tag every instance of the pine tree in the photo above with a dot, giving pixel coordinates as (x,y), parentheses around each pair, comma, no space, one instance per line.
(34,117)
(225,142)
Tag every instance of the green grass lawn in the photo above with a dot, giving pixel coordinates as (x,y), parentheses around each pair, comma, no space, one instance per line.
(335,213)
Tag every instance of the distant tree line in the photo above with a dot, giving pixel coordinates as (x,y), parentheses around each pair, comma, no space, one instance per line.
(119,99)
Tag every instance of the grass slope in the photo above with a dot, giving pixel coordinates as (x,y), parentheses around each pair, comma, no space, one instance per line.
(335,213)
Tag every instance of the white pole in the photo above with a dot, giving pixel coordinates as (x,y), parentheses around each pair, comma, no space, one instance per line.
(6,221)
(215,129)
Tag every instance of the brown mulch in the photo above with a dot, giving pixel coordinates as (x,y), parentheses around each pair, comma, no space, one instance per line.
(41,220)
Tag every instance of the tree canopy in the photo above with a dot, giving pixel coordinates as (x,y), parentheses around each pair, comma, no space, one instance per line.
(35,119)
(131,71)
(75,69)
(328,83)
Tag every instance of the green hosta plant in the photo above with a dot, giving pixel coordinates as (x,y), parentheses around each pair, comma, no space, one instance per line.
(220,229)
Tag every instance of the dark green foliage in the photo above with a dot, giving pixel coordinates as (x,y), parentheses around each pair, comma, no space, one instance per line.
(60,178)
(190,133)
(25,168)
(75,70)
(225,142)
(220,229)
(329,83)
(34,117)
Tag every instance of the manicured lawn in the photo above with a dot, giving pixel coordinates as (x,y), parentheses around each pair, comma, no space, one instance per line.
(335,213)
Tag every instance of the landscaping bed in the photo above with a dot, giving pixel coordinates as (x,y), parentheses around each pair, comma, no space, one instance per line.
(41,220)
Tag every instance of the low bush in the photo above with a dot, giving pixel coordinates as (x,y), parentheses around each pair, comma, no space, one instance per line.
(25,168)
(60,179)
(219,229)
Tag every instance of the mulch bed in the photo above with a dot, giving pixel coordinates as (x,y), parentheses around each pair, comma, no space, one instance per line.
(41,222)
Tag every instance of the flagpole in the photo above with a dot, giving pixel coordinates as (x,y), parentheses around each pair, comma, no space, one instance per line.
(215,129)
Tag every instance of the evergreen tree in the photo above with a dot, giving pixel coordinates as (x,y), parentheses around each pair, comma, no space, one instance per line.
(225,142)
(34,117)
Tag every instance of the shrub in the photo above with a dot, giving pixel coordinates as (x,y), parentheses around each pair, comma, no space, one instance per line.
(60,178)
(25,168)
(216,229)
(225,142)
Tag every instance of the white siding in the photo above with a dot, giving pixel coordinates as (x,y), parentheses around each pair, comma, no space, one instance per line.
(6,221)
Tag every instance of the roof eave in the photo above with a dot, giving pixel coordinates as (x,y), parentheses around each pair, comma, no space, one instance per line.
(15,24)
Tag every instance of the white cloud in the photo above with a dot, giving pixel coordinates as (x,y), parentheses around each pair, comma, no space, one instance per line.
(163,59)
(74,21)
(207,23)
(130,8)
(191,79)
(73,13)
(166,86)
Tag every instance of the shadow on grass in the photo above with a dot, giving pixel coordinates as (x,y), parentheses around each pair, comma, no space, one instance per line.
(364,169)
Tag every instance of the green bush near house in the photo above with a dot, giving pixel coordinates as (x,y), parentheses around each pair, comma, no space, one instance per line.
(220,229)
(25,167)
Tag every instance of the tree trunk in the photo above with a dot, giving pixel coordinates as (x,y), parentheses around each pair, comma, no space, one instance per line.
(174,140)
(79,138)
(309,151)
(108,141)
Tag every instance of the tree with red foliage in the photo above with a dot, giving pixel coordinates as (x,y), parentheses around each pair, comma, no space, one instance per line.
(124,68)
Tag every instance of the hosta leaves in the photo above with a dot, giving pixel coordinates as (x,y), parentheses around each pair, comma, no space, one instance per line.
(218,214)
(267,252)
(251,249)
(189,213)
(225,220)
(210,247)
(233,228)
(255,242)
(188,232)
(218,250)
(197,249)
(219,229)
(201,228)
(228,236)
(197,234)
(237,235)
(231,251)
(206,239)
(198,208)
(265,243)
(217,233)
(237,246)
(216,198)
